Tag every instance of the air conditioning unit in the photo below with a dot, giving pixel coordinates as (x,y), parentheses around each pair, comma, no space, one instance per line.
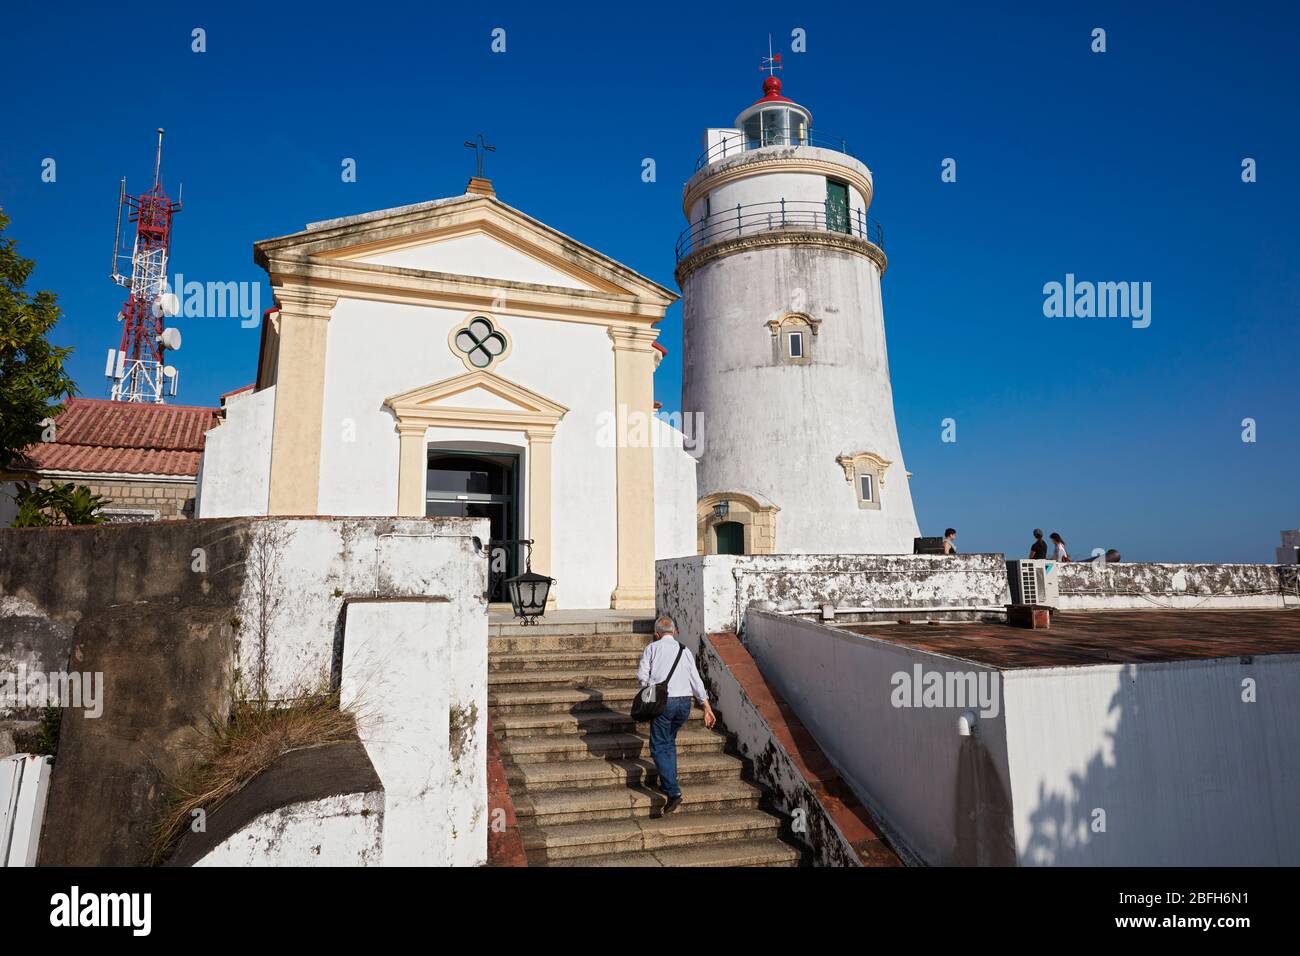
(1033,582)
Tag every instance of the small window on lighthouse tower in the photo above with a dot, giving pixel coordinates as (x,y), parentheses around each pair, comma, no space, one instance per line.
(796,344)
(865,483)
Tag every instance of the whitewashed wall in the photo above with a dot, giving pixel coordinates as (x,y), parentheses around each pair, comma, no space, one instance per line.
(1169,758)
(1095,586)
(343,830)
(675,495)
(941,797)
(235,471)
(415,672)
(710,593)
(1180,769)
(300,572)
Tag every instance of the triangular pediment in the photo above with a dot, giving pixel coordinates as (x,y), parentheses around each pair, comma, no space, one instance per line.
(476,399)
(465,237)
(476,253)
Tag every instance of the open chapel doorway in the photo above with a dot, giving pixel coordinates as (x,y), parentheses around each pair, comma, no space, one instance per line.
(473,484)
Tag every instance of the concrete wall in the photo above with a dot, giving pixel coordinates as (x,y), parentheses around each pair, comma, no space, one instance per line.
(710,593)
(1187,763)
(8,507)
(235,470)
(342,830)
(1185,771)
(942,798)
(1099,586)
(179,617)
(416,673)
(675,493)
(301,573)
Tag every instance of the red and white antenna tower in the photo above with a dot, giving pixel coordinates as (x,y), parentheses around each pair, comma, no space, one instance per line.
(136,369)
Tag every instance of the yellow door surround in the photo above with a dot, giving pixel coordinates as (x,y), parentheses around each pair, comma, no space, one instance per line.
(423,408)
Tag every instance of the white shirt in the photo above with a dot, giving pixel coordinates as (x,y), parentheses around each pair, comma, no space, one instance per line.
(657,661)
(1061,554)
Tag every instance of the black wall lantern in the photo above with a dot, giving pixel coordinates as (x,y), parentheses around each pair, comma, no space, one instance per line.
(528,591)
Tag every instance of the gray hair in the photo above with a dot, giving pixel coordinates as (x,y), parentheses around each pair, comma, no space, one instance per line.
(665,625)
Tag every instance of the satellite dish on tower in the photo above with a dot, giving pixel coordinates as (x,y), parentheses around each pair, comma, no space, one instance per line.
(170,339)
(169,304)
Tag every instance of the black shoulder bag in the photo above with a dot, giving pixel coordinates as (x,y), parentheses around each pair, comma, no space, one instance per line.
(650,703)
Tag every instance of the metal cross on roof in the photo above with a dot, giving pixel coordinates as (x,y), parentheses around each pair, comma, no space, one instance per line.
(479,148)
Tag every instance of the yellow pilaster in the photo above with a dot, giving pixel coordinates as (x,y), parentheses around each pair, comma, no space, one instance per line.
(299,400)
(411,470)
(634,363)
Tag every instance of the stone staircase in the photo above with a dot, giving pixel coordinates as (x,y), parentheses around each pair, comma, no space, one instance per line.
(579,770)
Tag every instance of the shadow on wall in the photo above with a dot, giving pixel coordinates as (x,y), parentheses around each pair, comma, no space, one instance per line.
(983,830)
(1190,772)
(1061,825)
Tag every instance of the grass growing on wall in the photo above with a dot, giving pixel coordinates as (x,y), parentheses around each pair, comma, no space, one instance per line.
(228,753)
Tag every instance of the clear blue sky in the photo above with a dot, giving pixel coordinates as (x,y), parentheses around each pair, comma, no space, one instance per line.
(1117,166)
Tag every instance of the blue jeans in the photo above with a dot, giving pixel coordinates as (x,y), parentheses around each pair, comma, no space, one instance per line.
(663,742)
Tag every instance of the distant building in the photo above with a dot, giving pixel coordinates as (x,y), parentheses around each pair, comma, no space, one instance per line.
(1289,553)
(144,458)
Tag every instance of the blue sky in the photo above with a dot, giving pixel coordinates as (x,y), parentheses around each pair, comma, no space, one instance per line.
(1122,166)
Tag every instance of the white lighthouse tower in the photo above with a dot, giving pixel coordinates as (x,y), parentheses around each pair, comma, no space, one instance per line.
(784,332)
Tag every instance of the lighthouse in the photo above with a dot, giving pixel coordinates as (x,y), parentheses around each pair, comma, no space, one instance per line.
(785,367)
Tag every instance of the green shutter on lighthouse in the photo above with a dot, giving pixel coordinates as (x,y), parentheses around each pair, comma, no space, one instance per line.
(837,206)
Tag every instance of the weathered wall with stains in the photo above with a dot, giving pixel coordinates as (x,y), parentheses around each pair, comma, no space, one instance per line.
(942,798)
(179,617)
(415,672)
(710,593)
(1096,586)
(301,573)
(343,830)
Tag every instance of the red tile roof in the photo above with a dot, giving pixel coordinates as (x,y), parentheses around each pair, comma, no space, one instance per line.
(99,436)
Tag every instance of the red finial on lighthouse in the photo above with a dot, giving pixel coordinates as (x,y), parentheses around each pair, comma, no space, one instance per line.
(771,63)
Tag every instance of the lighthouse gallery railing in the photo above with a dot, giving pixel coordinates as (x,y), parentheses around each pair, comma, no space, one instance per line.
(745,220)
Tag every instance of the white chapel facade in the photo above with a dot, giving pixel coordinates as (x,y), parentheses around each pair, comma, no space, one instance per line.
(458,357)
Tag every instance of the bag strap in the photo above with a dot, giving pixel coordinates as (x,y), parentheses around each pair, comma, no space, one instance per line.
(680,648)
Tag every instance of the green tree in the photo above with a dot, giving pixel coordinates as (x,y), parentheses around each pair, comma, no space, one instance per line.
(58,504)
(33,382)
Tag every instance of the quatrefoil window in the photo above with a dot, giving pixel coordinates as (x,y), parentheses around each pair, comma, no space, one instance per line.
(479,342)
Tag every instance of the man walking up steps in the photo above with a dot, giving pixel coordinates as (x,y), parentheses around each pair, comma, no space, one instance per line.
(684,687)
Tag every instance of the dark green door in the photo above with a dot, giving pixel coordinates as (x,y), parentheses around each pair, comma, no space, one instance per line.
(837,206)
(731,537)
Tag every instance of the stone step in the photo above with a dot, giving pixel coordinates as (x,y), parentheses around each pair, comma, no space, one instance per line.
(563,660)
(595,674)
(514,726)
(561,699)
(545,845)
(556,807)
(528,643)
(692,738)
(556,624)
(761,852)
(692,769)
